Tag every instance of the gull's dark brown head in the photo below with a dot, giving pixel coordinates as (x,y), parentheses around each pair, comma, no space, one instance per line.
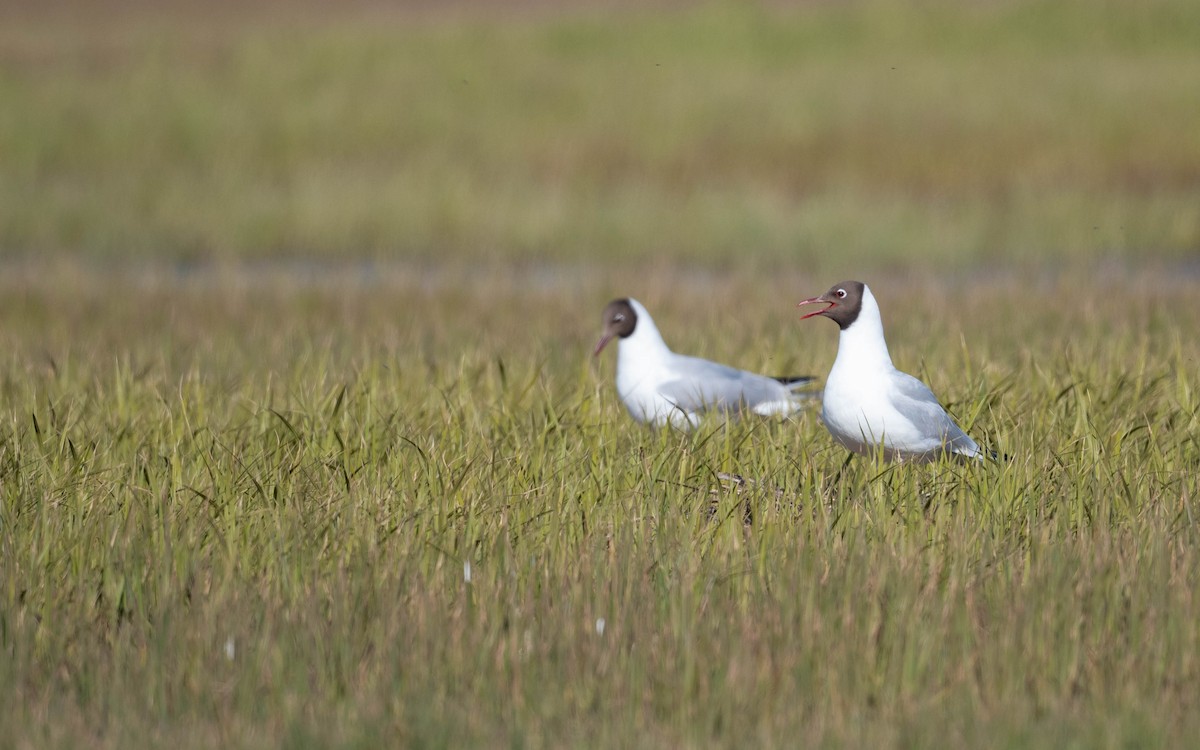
(619,320)
(843,303)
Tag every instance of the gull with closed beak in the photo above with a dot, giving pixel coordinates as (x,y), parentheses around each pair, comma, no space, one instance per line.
(660,387)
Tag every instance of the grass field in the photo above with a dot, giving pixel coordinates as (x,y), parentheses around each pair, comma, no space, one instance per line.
(1003,132)
(301,443)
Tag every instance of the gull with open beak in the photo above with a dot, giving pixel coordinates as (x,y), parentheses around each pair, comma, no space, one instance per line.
(868,404)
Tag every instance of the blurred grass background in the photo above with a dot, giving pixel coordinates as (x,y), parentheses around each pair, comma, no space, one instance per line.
(876,133)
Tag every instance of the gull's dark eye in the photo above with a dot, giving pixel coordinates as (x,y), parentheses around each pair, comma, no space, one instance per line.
(841,293)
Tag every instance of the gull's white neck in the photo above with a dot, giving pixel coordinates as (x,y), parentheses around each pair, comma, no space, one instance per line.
(861,345)
(645,343)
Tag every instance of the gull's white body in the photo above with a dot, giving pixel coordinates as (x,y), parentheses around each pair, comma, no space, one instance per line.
(661,387)
(868,404)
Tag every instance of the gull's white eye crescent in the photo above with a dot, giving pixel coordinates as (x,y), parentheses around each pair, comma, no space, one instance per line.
(618,318)
(841,293)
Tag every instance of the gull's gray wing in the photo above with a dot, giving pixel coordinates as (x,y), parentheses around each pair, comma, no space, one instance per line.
(916,402)
(703,385)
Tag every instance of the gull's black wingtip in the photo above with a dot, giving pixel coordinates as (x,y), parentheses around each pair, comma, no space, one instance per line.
(795,379)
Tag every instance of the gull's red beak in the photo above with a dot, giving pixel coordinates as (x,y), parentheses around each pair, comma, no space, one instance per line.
(603,342)
(829,304)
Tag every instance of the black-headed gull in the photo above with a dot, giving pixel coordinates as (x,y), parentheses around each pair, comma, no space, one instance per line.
(661,387)
(868,404)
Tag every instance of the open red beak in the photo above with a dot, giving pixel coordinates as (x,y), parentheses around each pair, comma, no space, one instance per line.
(829,304)
(603,342)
